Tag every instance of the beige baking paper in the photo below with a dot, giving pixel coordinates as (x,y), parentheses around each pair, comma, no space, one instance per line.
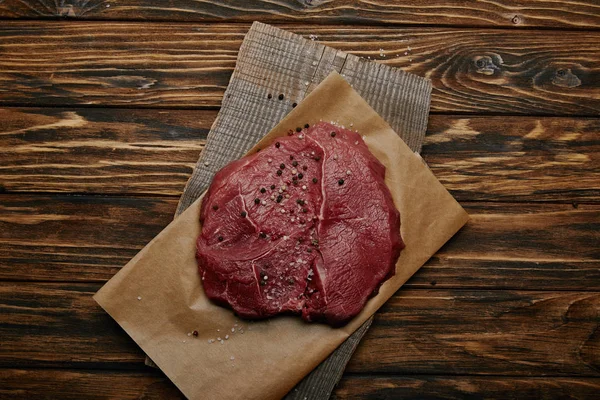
(158,299)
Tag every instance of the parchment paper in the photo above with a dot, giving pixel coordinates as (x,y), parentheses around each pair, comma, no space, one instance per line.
(158,299)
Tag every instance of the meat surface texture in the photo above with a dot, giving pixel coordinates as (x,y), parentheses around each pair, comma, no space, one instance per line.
(305,226)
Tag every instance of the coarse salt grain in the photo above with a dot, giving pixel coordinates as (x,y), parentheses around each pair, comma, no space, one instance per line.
(189,334)
(139,298)
(222,341)
(348,172)
(303,187)
(294,172)
(206,163)
(282,211)
(269,160)
(306,83)
(301,136)
(233,329)
(226,337)
(335,157)
(232,358)
(264,203)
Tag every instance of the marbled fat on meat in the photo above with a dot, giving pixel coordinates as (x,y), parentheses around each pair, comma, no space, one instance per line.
(306,226)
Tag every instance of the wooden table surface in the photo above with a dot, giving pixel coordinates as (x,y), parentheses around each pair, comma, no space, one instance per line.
(105,107)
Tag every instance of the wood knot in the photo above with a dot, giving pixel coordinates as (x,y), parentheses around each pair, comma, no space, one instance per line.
(485,65)
(516,20)
(564,77)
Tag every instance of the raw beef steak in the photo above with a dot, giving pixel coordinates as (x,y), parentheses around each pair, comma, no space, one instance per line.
(306,226)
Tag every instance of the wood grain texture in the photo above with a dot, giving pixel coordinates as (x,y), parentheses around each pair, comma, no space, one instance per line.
(100,150)
(505,245)
(186,65)
(516,159)
(122,151)
(460,388)
(507,13)
(26,384)
(418,331)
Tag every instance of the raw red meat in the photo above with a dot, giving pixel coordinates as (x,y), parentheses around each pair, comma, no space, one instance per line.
(306,226)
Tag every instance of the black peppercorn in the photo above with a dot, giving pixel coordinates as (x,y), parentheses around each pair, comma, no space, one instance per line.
(263,235)
(306,126)
(272,187)
(300,175)
(195,333)
(220,238)
(257,201)
(315,180)
(332,134)
(279,172)
(305,210)
(279,198)
(317,158)
(243,214)
(295,163)
(262,283)
(269,96)
(262,190)
(277,144)
(304,167)
(294,105)
(341,182)
(215,207)
(298,129)
(282,166)
(281,96)
(294,178)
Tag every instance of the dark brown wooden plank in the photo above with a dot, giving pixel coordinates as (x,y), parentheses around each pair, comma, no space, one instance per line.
(505,245)
(460,388)
(515,159)
(81,384)
(24,384)
(100,150)
(184,65)
(121,151)
(569,14)
(418,331)
(484,332)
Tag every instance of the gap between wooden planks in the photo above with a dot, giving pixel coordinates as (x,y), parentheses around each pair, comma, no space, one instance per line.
(187,65)
(152,152)
(504,13)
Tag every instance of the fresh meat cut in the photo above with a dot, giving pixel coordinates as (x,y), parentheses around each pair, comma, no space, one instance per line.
(305,226)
